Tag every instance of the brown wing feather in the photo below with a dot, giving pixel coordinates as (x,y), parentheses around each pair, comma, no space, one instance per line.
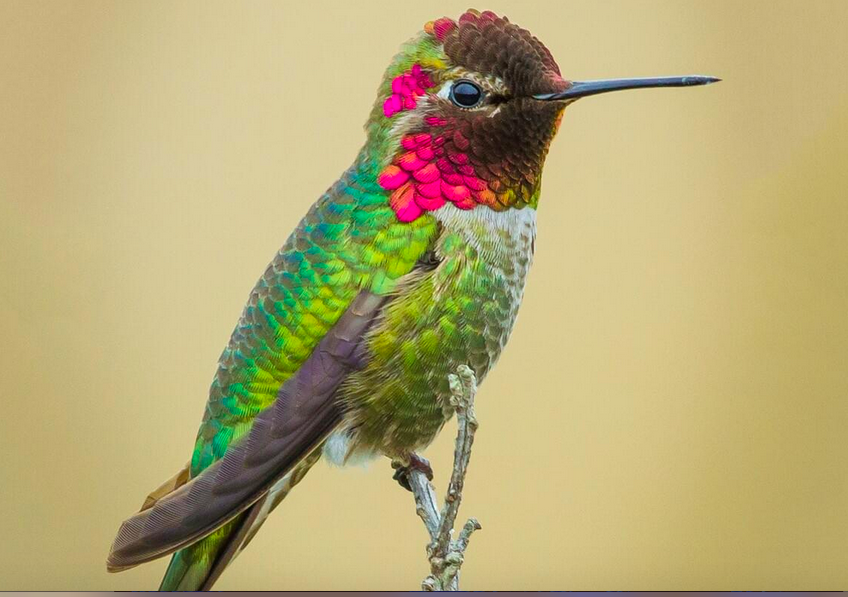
(255,518)
(302,415)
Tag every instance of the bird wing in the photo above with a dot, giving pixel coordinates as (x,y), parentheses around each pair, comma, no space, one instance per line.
(301,416)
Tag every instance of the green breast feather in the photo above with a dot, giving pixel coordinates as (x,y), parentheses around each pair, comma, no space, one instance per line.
(458,312)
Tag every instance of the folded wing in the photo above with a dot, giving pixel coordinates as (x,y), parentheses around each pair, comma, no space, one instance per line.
(303,414)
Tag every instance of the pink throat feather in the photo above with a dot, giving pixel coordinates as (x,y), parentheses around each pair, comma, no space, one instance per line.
(427,175)
(406,89)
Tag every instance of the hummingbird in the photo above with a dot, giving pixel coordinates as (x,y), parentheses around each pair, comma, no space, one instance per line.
(413,263)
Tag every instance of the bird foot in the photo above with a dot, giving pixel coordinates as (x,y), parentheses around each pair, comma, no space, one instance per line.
(413,462)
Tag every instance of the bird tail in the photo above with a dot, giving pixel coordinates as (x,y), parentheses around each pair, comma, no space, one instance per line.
(198,566)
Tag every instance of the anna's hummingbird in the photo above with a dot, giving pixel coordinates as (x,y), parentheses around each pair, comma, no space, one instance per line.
(410,265)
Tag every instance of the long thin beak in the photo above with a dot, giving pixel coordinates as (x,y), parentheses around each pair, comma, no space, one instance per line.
(580,89)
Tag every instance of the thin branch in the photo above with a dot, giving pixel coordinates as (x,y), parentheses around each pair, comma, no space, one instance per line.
(446,555)
(426,504)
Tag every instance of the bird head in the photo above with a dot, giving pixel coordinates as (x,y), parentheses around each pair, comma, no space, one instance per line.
(466,113)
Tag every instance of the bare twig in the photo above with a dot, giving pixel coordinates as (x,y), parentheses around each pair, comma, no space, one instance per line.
(426,504)
(446,554)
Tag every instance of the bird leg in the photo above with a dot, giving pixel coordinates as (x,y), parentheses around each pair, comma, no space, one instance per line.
(412,462)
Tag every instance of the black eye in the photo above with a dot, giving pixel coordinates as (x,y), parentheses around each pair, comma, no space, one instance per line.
(466,94)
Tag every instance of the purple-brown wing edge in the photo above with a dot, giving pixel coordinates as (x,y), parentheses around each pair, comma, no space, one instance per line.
(303,414)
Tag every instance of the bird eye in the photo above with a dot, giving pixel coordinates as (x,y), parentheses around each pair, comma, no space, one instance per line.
(466,94)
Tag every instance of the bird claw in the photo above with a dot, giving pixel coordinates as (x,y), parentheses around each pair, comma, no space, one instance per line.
(414,463)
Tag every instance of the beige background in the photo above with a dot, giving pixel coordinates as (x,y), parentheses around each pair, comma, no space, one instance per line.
(671,412)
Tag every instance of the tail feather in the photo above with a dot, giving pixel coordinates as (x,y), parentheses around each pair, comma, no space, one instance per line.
(191,567)
(198,566)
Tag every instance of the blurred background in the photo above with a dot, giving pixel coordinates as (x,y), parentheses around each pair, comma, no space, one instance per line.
(671,411)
